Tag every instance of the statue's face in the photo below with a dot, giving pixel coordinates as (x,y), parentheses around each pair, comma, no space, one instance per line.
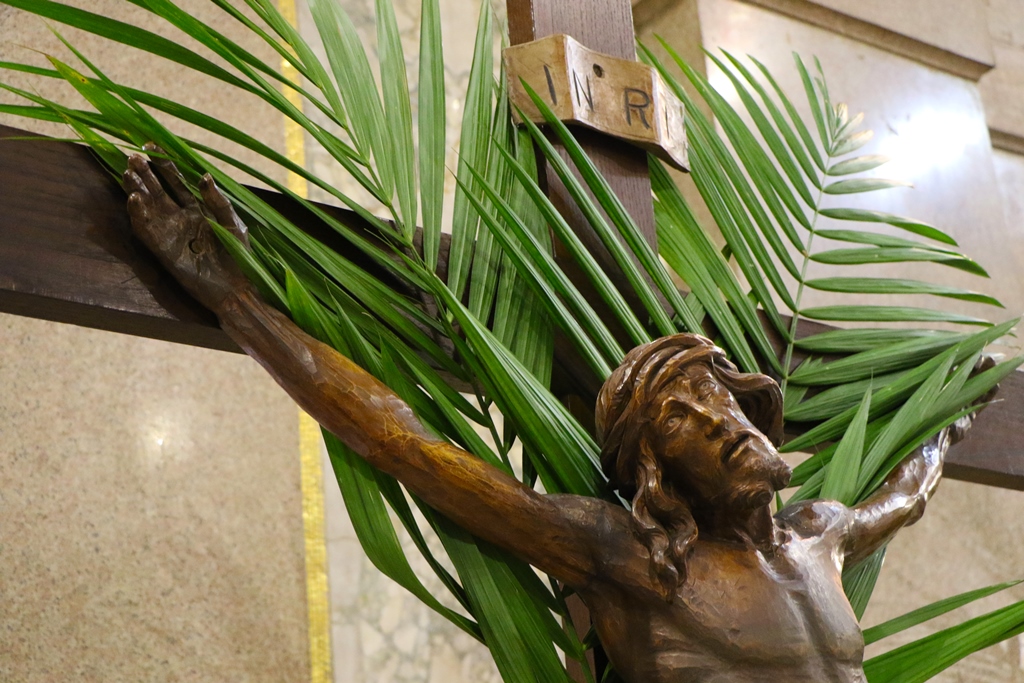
(708,448)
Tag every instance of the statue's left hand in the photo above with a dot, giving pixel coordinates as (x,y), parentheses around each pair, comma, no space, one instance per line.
(175,226)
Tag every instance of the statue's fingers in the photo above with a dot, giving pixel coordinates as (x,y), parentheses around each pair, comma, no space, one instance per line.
(171,176)
(133,183)
(220,207)
(138,209)
(140,204)
(141,167)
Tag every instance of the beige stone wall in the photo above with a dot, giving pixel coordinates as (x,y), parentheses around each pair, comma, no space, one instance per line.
(150,517)
(150,511)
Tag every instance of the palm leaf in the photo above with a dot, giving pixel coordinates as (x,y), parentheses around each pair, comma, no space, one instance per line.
(600,280)
(620,218)
(844,469)
(698,262)
(473,151)
(868,216)
(351,69)
(487,257)
(795,135)
(432,119)
(397,112)
(859,582)
(529,258)
(863,339)
(922,659)
(928,612)
(853,285)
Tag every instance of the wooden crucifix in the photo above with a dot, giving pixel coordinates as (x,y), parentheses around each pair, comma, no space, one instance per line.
(647,613)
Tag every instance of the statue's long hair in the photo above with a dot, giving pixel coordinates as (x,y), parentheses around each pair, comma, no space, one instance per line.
(663,522)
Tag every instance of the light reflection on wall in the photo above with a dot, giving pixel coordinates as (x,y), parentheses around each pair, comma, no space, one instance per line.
(164,440)
(929,140)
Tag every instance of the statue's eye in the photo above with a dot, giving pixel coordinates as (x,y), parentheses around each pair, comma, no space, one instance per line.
(705,389)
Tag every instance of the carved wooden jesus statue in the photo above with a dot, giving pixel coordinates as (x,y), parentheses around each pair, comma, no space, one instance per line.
(698,582)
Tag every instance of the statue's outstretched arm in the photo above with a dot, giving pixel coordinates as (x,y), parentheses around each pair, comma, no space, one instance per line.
(900,501)
(345,399)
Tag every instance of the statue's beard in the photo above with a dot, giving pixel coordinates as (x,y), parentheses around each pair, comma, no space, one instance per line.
(759,479)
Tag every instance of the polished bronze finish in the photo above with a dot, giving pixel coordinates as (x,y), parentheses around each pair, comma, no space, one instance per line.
(698,581)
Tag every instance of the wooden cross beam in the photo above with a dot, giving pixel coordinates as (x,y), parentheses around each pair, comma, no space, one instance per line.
(67,255)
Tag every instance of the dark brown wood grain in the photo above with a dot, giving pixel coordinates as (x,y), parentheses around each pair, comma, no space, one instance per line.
(67,253)
(993,451)
(604,26)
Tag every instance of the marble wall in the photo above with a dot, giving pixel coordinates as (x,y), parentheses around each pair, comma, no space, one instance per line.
(380,633)
(150,510)
(1001,89)
(957,26)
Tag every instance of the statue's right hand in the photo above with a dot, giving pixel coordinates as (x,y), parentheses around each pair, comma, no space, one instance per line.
(175,226)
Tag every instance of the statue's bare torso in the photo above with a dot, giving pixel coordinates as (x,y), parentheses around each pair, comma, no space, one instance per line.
(773,617)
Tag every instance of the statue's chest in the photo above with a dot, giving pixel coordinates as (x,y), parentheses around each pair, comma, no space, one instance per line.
(787,608)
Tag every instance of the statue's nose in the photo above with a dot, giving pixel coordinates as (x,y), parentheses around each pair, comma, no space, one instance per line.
(781,476)
(715,423)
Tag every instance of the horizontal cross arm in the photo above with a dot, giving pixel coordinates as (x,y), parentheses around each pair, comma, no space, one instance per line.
(67,255)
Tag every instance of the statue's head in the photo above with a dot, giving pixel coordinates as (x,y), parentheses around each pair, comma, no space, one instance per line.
(681,429)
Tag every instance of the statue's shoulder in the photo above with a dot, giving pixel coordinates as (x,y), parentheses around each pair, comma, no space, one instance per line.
(810,518)
(606,526)
(593,514)
(619,560)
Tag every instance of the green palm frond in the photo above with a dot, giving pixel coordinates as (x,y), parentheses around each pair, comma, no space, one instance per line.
(896,376)
(488,328)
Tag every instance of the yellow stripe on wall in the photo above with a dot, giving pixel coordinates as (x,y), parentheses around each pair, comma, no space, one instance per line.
(317,595)
(311,469)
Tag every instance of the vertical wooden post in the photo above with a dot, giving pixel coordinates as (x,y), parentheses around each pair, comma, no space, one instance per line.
(605,26)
